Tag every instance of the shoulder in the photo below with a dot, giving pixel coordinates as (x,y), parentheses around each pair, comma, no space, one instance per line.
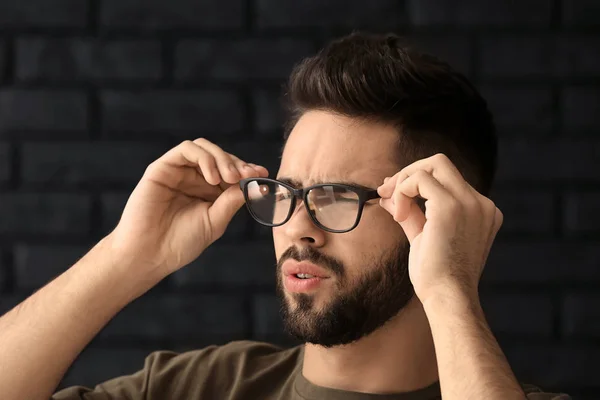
(202,373)
(535,393)
(237,357)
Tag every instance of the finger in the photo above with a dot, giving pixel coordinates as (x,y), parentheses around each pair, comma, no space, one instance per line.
(443,170)
(386,189)
(412,220)
(188,154)
(224,208)
(426,186)
(401,202)
(263,172)
(244,169)
(440,167)
(227,168)
(249,170)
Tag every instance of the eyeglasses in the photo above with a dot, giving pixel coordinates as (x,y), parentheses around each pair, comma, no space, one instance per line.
(333,207)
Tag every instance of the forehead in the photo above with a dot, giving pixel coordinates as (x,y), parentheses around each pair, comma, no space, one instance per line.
(325,147)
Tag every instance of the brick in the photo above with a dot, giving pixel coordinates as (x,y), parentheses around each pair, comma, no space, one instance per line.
(541,262)
(87,59)
(454,49)
(112,208)
(581,213)
(5,160)
(242,264)
(44,13)
(528,13)
(178,317)
(536,56)
(270,115)
(577,56)
(549,160)
(236,60)
(44,213)
(540,56)
(239,227)
(158,14)
(3,60)
(385,14)
(554,366)
(113,204)
(518,314)
(263,152)
(36,265)
(60,111)
(520,109)
(581,315)
(4,278)
(10,301)
(526,212)
(261,231)
(268,326)
(87,164)
(99,364)
(182,113)
(267,319)
(580,13)
(580,107)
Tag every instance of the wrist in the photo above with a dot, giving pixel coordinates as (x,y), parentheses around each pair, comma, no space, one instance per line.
(451,300)
(122,269)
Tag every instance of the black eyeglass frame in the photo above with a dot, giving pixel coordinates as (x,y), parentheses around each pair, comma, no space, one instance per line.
(364,195)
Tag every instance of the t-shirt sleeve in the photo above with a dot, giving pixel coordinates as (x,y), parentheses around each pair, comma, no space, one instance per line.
(548,396)
(165,375)
(133,387)
(535,393)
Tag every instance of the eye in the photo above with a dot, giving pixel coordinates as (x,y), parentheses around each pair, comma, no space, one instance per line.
(264,189)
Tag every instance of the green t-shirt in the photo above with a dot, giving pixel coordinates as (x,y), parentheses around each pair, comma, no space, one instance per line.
(240,370)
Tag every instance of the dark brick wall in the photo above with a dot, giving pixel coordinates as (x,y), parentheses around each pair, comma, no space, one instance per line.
(92,90)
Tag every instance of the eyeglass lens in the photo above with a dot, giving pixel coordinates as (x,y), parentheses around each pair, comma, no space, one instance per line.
(334,207)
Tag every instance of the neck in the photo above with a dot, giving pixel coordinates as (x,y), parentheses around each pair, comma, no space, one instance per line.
(398,357)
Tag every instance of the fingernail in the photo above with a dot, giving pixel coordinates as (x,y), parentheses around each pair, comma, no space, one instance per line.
(386,179)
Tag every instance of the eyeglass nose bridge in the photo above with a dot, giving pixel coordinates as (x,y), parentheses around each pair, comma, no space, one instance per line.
(299,197)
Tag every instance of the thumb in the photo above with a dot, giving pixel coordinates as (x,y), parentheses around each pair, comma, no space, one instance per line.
(415,222)
(224,208)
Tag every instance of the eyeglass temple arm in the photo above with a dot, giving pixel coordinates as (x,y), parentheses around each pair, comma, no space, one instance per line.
(372,194)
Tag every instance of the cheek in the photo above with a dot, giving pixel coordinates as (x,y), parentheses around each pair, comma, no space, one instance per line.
(375,235)
(378,225)
(279,243)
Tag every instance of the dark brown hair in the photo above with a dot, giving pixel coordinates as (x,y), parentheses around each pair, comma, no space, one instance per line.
(379,78)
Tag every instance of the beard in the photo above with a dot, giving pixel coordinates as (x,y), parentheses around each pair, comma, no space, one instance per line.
(355,310)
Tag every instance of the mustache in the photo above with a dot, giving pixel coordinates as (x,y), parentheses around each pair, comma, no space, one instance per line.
(313,256)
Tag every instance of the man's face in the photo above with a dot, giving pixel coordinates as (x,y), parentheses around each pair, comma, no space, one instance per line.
(366,279)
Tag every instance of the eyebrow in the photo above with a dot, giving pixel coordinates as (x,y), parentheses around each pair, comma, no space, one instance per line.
(298,185)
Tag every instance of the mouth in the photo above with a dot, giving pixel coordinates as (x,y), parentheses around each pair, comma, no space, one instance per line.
(295,284)
(302,277)
(303,270)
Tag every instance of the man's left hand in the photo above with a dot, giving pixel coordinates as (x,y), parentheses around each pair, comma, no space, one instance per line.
(450,242)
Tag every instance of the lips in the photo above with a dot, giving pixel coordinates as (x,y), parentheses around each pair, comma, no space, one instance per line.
(292,267)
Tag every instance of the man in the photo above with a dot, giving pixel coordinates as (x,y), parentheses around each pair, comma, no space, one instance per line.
(381,229)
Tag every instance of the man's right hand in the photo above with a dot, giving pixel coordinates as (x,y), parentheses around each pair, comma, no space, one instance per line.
(182,204)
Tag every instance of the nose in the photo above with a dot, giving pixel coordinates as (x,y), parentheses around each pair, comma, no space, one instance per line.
(301,230)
